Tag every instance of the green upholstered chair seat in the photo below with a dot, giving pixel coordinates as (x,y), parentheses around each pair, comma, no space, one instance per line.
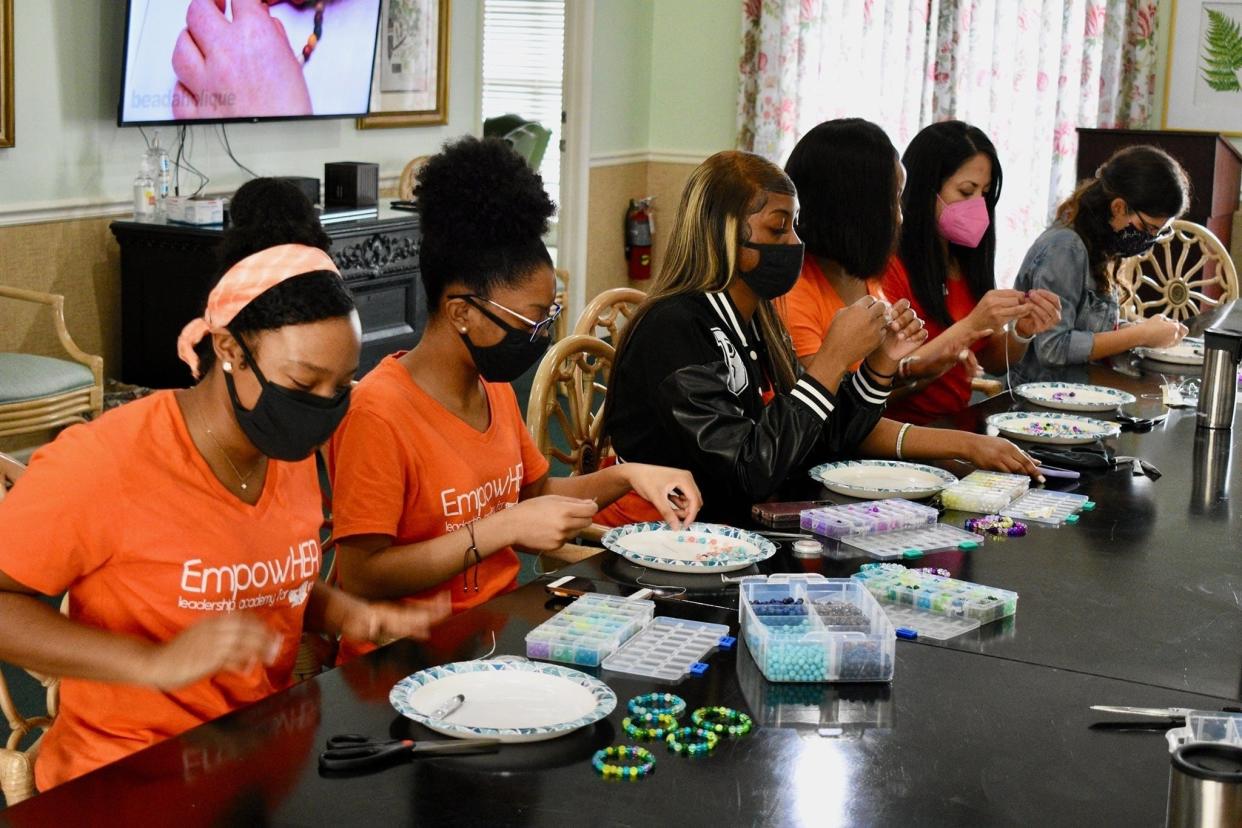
(28,377)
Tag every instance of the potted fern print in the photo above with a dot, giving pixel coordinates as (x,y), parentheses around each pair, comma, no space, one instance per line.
(1203,85)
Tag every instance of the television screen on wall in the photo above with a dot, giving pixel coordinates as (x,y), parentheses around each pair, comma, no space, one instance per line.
(192,61)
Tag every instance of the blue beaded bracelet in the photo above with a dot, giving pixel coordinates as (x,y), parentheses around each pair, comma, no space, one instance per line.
(722,720)
(666,703)
(679,741)
(648,725)
(611,770)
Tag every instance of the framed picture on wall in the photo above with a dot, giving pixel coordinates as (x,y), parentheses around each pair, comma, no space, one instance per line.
(7,104)
(1203,85)
(410,82)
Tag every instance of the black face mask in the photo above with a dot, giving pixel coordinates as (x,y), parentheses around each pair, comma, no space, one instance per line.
(509,358)
(778,269)
(285,423)
(1131,241)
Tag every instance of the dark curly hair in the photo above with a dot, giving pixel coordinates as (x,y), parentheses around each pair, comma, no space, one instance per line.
(483,214)
(266,212)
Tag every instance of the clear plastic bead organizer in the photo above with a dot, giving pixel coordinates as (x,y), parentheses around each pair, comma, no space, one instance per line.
(667,648)
(867,518)
(808,628)
(913,543)
(589,630)
(985,492)
(894,584)
(929,624)
(1207,726)
(1044,506)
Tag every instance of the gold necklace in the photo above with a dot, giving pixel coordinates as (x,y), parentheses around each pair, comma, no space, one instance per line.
(241,479)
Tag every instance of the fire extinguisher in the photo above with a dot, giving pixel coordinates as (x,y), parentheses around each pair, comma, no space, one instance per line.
(638,230)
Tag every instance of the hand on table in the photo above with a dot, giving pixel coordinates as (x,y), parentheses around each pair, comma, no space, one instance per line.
(222,643)
(237,68)
(672,492)
(998,454)
(1161,331)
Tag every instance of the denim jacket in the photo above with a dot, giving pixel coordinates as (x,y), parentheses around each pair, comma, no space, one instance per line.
(1057,261)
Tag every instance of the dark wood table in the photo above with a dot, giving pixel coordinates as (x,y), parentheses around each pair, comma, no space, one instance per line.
(1140,604)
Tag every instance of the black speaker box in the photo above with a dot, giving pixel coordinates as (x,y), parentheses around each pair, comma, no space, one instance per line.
(308,185)
(350,185)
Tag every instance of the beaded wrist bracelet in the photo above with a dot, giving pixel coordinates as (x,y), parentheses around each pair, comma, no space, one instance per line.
(645,762)
(722,720)
(678,741)
(996,525)
(666,703)
(648,725)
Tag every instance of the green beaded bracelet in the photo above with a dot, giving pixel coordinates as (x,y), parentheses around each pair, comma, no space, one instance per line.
(722,720)
(657,725)
(612,770)
(657,703)
(678,741)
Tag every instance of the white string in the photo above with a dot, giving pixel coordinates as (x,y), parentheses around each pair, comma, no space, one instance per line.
(490,652)
(1008,379)
(657,587)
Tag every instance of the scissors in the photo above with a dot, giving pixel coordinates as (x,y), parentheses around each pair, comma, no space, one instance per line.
(353,751)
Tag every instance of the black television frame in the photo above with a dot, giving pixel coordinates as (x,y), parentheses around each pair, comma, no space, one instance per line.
(120,103)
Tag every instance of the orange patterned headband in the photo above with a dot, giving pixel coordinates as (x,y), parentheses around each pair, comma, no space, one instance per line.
(242,284)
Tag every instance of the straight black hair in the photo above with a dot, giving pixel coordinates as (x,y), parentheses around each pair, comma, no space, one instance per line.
(935,154)
(845,171)
(1147,179)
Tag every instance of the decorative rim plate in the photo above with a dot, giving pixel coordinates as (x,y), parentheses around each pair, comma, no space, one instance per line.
(1051,427)
(724,548)
(502,687)
(1187,352)
(1074,396)
(875,479)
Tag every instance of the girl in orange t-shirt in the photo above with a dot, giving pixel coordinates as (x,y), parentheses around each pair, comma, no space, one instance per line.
(849,188)
(185,526)
(947,267)
(435,478)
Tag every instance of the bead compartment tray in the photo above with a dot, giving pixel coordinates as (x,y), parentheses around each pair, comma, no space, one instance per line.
(985,492)
(1207,726)
(930,625)
(667,648)
(868,517)
(792,640)
(1045,506)
(588,630)
(894,584)
(910,543)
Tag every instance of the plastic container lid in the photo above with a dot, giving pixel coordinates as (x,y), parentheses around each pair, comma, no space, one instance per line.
(1214,762)
(808,549)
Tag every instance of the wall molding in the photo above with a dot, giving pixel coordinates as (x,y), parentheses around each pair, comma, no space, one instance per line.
(79,209)
(649,156)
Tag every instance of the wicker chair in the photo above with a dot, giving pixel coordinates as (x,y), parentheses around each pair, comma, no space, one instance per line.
(38,393)
(1166,280)
(609,312)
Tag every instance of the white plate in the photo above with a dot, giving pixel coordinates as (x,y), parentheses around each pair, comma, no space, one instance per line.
(511,700)
(1073,396)
(1053,428)
(700,548)
(1187,352)
(875,479)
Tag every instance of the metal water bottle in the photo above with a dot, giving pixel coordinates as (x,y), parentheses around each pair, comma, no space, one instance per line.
(1222,348)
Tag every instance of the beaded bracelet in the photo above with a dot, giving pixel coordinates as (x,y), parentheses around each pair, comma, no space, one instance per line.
(722,720)
(657,703)
(678,741)
(996,525)
(657,725)
(645,762)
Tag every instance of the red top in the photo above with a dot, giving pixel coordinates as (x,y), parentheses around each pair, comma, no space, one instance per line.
(950,393)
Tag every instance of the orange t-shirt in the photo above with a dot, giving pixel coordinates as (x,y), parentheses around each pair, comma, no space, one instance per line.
(951,392)
(809,308)
(404,466)
(126,515)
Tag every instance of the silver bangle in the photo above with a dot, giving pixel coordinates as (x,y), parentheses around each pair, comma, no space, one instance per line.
(901,438)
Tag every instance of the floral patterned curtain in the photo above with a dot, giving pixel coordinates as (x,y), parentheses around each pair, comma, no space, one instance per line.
(1026,72)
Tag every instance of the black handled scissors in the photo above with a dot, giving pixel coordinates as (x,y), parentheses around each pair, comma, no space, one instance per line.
(353,751)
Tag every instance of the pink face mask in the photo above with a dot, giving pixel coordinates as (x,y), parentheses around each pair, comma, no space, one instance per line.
(964,222)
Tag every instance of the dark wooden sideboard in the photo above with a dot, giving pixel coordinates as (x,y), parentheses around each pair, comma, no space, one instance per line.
(167,270)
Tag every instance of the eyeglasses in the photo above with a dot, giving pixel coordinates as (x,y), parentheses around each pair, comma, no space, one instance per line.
(1157,232)
(536,328)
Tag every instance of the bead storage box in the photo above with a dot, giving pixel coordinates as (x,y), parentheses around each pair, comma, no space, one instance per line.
(984,491)
(588,630)
(914,543)
(807,628)
(1046,506)
(669,648)
(867,518)
(1207,726)
(894,584)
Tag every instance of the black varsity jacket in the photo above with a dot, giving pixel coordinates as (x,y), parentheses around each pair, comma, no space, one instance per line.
(688,392)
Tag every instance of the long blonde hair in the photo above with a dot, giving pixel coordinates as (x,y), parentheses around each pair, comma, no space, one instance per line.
(702,253)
